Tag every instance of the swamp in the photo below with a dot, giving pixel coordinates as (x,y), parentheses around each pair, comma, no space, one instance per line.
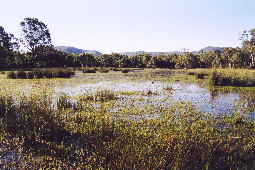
(100,119)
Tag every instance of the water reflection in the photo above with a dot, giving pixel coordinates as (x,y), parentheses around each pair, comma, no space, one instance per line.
(212,100)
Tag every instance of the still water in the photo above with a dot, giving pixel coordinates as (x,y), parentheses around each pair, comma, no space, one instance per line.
(163,94)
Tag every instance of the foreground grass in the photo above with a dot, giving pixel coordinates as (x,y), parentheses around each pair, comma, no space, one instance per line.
(61,134)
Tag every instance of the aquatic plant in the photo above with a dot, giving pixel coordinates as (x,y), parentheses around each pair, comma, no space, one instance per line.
(102,95)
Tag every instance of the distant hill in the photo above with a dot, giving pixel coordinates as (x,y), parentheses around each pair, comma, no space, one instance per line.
(149,53)
(211,48)
(75,50)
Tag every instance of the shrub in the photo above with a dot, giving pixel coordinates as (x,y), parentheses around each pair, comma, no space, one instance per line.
(125,70)
(104,70)
(89,70)
(30,75)
(104,95)
(116,69)
(11,75)
(63,102)
(21,74)
(200,75)
(38,74)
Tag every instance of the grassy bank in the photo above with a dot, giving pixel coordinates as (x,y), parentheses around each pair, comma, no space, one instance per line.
(49,133)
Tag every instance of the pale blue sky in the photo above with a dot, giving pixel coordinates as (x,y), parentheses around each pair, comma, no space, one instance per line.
(132,25)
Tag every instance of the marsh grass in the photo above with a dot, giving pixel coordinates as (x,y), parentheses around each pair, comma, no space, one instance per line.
(125,70)
(241,78)
(89,70)
(37,74)
(104,70)
(181,138)
(102,96)
(129,93)
(64,137)
(116,69)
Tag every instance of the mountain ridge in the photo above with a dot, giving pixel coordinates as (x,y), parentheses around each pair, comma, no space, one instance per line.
(74,50)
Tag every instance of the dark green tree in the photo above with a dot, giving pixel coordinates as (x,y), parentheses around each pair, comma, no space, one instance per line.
(35,35)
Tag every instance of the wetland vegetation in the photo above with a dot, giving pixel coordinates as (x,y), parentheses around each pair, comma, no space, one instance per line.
(178,111)
(98,120)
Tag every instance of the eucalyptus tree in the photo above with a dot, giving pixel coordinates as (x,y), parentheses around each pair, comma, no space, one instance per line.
(248,40)
(36,36)
(9,46)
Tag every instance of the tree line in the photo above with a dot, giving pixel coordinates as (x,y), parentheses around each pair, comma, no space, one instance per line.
(40,52)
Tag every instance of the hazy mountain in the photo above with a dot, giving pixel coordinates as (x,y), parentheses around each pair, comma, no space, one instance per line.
(75,50)
(149,53)
(211,48)
(206,49)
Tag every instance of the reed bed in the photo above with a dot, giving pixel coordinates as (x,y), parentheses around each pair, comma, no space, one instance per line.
(238,78)
(37,74)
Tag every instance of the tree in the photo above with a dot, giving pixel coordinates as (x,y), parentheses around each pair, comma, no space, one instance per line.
(36,34)
(7,41)
(248,38)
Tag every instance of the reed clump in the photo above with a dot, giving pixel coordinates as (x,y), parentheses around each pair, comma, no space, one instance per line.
(102,96)
(38,74)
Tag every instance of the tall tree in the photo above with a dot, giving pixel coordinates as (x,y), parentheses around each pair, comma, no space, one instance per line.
(35,35)
(8,44)
(7,41)
(248,38)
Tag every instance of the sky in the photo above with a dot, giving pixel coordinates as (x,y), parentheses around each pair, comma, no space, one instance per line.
(135,25)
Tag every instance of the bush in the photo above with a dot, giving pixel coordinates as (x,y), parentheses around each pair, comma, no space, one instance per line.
(200,76)
(104,70)
(104,95)
(11,75)
(89,70)
(21,74)
(64,102)
(38,74)
(116,69)
(30,75)
(125,70)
